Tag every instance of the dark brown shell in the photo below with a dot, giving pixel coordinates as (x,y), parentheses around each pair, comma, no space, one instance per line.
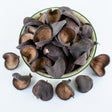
(43,90)
(39,64)
(21,82)
(53,16)
(70,65)
(32,22)
(82,59)
(71,24)
(58,44)
(43,35)
(81,46)
(42,17)
(28,42)
(65,50)
(57,26)
(86,30)
(66,36)
(27,20)
(64,91)
(66,11)
(24,37)
(53,52)
(81,23)
(99,63)
(30,52)
(58,69)
(30,29)
(84,83)
(77,38)
(11,60)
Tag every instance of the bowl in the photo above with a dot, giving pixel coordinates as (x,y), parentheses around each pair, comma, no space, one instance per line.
(92,53)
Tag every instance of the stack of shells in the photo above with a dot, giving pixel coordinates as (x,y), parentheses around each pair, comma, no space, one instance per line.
(56,43)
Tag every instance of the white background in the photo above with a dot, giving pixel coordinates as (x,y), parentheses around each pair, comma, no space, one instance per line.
(99,99)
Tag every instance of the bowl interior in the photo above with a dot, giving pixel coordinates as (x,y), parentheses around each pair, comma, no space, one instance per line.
(92,53)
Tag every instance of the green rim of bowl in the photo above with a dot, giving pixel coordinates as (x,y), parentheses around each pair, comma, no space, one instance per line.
(77,71)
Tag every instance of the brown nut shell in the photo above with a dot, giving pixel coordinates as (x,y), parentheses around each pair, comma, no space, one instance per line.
(42,17)
(77,38)
(39,64)
(82,59)
(11,60)
(64,91)
(66,11)
(43,90)
(31,29)
(32,22)
(70,65)
(66,36)
(53,52)
(28,42)
(27,20)
(21,82)
(53,16)
(25,36)
(99,63)
(65,50)
(58,44)
(30,52)
(84,83)
(81,46)
(86,30)
(70,23)
(58,69)
(57,26)
(43,35)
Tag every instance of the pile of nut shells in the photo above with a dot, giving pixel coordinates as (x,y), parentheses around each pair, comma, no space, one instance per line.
(56,43)
(44,90)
